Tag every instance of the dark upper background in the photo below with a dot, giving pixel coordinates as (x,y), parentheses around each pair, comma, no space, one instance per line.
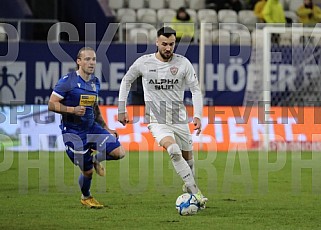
(76,12)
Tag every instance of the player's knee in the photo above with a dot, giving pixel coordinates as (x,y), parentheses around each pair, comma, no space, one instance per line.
(121,153)
(174,152)
(88,173)
(118,153)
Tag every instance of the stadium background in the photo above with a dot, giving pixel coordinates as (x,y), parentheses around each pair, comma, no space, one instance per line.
(229,68)
(246,189)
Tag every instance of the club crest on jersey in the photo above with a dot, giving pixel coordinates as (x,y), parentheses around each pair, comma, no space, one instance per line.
(174,70)
(93,86)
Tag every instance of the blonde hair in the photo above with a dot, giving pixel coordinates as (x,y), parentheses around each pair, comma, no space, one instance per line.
(79,53)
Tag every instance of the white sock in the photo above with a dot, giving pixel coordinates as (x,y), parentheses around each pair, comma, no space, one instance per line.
(191,165)
(84,197)
(182,168)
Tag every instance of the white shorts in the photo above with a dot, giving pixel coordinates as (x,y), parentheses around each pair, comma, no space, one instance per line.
(180,132)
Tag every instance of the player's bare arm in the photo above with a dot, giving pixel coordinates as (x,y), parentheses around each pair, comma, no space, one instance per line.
(100,120)
(98,117)
(56,106)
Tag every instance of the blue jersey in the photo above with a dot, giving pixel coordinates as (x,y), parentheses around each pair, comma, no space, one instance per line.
(75,91)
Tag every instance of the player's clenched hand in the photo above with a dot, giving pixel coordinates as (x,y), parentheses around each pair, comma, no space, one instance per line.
(80,110)
(113,132)
(198,125)
(123,118)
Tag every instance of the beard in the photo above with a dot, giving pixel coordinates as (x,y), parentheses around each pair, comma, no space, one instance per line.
(166,55)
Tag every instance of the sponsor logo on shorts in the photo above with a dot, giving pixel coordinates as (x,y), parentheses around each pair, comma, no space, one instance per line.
(104,141)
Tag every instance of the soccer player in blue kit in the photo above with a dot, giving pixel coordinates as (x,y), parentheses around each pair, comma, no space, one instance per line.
(75,97)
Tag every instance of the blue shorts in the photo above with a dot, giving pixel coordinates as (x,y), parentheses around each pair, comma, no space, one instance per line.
(81,143)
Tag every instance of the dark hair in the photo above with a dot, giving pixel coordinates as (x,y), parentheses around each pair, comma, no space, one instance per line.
(166,31)
(187,17)
(310,5)
(79,53)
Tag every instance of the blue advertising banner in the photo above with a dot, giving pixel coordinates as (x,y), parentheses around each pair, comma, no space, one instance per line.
(29,71)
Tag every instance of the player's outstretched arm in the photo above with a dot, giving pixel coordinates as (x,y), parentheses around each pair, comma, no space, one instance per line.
(132,74)
(98,117)
(122,97)
(100,120)
(197,97)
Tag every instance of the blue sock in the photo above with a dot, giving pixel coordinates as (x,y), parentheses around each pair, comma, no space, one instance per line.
(84,183)
(103,156)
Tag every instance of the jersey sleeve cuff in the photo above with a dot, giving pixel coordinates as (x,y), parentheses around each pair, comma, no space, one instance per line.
(57,94)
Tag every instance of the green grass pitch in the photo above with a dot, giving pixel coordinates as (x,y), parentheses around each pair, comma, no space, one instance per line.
(246,190)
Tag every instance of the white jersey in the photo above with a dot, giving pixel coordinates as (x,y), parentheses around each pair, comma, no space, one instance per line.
(164,84)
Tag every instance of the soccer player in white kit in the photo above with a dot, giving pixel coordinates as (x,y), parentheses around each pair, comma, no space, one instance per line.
(165,76)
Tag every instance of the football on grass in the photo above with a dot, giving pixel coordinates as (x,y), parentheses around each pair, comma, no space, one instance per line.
(187,204)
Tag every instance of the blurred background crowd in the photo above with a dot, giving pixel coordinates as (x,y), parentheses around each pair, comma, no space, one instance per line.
(34,18)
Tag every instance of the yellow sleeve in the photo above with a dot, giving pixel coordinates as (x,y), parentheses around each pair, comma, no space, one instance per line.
(303,12)
(317,12)
(190,29)
(267,13)
(174,23)
(258,10)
